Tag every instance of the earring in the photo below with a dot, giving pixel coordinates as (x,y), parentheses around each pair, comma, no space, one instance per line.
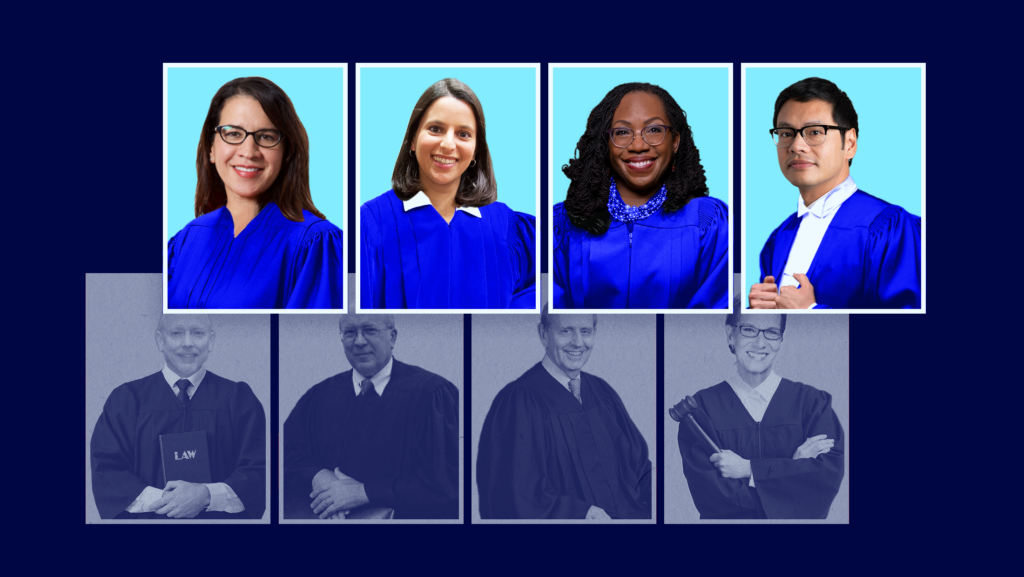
(472,163)
(412,153)
(673,168)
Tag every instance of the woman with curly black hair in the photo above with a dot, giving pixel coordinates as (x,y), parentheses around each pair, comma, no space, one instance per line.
(637,228)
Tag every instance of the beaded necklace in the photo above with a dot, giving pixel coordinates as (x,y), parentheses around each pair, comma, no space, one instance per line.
(622,212)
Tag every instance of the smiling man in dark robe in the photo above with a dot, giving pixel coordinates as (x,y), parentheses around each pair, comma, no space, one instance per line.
(781,443)
(558,443)
(378,441)
(127,468)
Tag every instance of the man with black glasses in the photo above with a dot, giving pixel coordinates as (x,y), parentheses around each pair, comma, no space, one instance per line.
(378,441)
(843,248)
(760,446)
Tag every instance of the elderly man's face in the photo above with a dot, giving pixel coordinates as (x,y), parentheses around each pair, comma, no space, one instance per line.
(368,343)
(185,341)
(755,355)
(568,340)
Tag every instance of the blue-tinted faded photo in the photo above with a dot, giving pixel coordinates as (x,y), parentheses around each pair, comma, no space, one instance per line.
(444,237)
(844,247)
(257,240)
(639,227)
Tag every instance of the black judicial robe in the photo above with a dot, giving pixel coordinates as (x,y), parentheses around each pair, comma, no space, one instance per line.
(786,488)
(543,455)
(125,447)
(403,446)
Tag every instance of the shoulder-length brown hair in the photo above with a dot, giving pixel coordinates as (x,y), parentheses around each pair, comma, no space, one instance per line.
(477,186)
(291,188)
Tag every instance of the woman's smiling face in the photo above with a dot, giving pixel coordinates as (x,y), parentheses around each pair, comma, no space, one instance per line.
(247,169)
(445,142)
(640,168)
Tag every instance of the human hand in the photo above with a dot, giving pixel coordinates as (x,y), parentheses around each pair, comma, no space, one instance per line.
(342,493)
(182,500)
(596,513)
(796,298)
(813,447)
(731,465)
(762,295)
(321,479)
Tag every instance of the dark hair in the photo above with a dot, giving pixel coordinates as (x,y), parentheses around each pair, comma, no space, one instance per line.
(586,202)
(291,188)
(734,318)
(815,88)
(477,186)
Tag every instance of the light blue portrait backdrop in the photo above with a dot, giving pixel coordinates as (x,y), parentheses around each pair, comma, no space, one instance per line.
(508,96)
(318,96)
(888,160)
(703,93)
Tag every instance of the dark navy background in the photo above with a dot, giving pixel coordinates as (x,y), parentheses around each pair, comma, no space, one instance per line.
(931,476)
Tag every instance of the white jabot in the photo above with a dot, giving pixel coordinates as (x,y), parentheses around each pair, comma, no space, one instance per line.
(380,380)
(421,199)
(814,221)
(557,373)
(755,400)
(222,497)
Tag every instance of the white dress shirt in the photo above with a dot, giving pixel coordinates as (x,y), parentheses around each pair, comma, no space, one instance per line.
(814,221)
(755,399)
(222,497)
(556,372)
(421,199)
(380,380)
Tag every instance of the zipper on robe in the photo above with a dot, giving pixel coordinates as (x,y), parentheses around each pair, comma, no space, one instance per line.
(629,276)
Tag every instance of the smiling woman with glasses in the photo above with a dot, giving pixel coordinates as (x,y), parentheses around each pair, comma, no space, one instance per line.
(257,242)
(637,228)
(760,446)
(439,239)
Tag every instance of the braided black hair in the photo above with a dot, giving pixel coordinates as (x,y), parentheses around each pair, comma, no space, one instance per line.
(586,202)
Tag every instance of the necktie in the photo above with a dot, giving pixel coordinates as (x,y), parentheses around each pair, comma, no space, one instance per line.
(183,385)
(574,386)
(367,390)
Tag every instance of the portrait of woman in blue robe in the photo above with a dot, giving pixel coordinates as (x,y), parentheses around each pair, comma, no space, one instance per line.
(257,242)
(439,239)
(637,228)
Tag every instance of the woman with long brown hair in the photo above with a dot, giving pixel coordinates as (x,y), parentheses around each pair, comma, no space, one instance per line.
(439,239)
(257,240)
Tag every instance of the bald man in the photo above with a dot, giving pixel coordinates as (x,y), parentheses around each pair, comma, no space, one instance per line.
(127,466)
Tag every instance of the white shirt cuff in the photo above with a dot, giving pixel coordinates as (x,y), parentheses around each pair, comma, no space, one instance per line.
(222,498)
(812,306)
(144,502)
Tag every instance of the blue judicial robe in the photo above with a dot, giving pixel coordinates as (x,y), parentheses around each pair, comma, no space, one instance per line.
(669,260)
(870,257)
(415,259)
(543,455)
(403,446)
(125,447)
(273,263)
(785,488)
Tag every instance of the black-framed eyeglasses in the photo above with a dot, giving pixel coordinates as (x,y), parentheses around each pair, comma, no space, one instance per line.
(349,335)
(653,135)
(267,138)
(814,136)
(772,334)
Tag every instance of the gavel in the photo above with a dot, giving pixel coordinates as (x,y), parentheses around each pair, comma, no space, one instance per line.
(684,410)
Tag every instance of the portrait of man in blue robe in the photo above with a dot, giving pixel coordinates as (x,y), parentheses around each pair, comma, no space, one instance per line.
(843,248)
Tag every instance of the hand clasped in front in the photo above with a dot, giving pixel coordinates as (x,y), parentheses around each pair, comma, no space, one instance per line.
(335,494)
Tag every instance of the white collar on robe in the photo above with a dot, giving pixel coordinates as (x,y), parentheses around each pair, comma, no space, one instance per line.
(421,199)
(556,372)
(827,205)
(755,400)
(380,380)
(172,379)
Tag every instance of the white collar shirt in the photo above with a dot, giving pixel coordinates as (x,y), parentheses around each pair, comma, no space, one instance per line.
(556,373)
(172,379)
(380,380)
(421,199)
(814,221)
